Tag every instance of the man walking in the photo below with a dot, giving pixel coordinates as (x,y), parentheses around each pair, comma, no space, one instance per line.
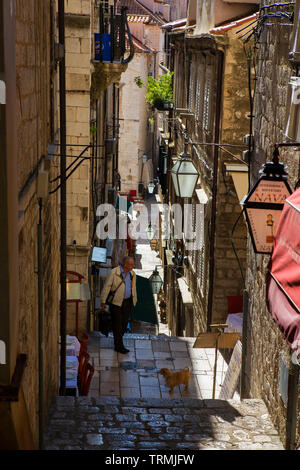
(120,292)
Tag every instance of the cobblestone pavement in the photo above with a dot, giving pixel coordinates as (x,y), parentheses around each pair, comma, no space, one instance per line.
(113,423)
(132,409)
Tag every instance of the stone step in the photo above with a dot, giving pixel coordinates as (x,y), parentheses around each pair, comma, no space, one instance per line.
(141,336)
(113,423)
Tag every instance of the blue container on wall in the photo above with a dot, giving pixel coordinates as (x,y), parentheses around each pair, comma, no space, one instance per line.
(106,47)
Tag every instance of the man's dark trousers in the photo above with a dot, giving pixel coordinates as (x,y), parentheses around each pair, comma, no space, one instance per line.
(120,317)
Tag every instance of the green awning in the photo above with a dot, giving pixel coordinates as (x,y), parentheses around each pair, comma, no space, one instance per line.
(145,309)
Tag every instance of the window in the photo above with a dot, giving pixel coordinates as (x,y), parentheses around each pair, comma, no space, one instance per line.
(207,99)
(105,4)
(192,81)
(199,92)
(200,253)
(193,252)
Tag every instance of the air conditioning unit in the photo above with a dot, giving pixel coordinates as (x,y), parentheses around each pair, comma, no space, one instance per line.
(294,55)
(292,130)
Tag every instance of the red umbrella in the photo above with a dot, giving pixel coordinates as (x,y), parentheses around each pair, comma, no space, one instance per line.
(283,278)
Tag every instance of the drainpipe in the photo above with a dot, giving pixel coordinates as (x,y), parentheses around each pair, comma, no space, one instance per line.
(63,200)
(40,324)
(243,392)
(214,190)
(291,412)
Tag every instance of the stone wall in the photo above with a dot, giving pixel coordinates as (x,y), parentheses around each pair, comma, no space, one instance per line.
(34,69)
(193,93)
(78,20)
(234,125)
(134,139)
(265,345)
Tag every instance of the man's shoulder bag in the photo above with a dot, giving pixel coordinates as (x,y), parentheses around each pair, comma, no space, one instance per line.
(111,294)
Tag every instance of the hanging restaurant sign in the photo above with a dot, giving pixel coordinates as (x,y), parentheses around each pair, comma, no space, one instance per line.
(264,204)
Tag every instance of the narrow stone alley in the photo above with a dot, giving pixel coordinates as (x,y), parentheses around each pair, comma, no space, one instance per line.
(129,406)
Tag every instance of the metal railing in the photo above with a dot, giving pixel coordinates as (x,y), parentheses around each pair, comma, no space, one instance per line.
(110,42)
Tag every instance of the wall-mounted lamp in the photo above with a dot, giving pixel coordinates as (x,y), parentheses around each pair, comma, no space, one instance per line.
(264,204)
(151,187)
(156,281)
(184,175)
(150,232)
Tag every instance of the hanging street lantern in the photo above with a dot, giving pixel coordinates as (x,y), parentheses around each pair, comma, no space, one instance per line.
(264,204)
(150,232)
(184,175)
(156,281)
(151,187)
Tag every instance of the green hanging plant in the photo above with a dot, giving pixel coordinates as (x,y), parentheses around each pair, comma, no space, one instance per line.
(159,91)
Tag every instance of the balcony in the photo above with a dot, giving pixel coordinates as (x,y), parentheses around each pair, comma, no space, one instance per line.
(110,48)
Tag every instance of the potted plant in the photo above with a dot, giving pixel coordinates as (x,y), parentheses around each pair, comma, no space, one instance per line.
(159,91)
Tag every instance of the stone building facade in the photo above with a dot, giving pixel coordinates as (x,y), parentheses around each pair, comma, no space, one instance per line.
(135,138)
(32,113)
(211,105)
(266,349)
(79,31)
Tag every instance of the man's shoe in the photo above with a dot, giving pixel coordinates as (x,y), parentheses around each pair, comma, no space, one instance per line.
(122,350)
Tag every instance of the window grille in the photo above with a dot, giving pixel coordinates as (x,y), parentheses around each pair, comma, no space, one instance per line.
(199,92)
(192,92)
(193,254)
(200,247)
(207,99)
(105,4)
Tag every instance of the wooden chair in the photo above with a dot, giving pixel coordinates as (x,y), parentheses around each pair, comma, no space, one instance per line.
(83,360)
(83,343)
(86,380)
(84,340)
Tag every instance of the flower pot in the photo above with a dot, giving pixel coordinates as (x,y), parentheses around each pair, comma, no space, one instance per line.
(162,105)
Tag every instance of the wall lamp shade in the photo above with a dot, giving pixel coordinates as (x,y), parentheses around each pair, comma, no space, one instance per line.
(151,187)
(76,291)
(156,282)
(264,204)
(151,232)
(184,176)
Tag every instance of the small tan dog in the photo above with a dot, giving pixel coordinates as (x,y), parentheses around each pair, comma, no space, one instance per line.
(176,378)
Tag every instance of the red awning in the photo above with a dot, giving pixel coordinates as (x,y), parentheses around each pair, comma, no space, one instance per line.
(283,280)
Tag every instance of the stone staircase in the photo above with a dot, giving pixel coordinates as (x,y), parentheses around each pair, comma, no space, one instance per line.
(129,407)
